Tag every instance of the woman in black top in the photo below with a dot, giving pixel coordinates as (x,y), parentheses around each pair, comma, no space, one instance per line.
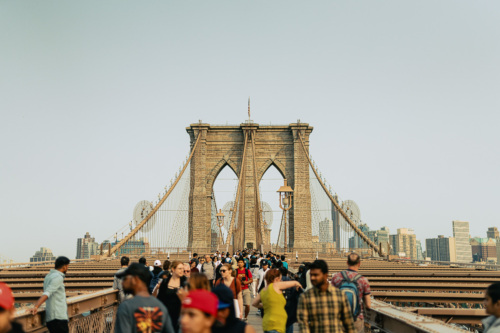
(168,292)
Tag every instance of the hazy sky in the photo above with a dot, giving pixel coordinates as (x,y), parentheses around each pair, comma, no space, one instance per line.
(95,97)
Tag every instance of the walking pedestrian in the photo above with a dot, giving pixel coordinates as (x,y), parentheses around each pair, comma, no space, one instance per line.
(7,311)
(292,299)
(272,301)
(54,293)
(254,269)
(193,267)
(357,289)
(187,270)
(144,261)
(166,269)
(143,312)
(199,310)
(117,282)
(208,268)
(283,260)
(226,318)
(157,271)
(195,258)
(491,324)
(323,308)
(245,276)
(235,285)
(261,280)
(200,263)
(168,292)
(198,281)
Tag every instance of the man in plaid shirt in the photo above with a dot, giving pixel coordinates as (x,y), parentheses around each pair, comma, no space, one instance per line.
(323,309)
(353,264)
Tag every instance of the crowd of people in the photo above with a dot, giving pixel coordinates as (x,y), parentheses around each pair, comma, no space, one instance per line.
(214,293)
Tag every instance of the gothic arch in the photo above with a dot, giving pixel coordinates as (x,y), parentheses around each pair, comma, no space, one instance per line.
(277,163)
(212,176)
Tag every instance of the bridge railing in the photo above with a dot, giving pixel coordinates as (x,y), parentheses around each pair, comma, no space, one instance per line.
(38,263)
(388,318)
(473,265)
(93,312)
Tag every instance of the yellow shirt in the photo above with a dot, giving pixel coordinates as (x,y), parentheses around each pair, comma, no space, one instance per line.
(274,310)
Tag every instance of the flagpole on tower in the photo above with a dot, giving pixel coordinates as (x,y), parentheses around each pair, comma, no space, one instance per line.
(249,108)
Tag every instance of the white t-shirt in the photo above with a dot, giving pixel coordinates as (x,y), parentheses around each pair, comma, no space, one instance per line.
(262,275)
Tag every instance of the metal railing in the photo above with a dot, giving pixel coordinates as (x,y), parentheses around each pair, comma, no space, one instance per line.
(473,265)
(38,263)
(93,312)
(388,318)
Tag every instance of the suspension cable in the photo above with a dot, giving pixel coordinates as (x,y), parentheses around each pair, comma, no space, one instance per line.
(337,206)
(240,179)
(158,205)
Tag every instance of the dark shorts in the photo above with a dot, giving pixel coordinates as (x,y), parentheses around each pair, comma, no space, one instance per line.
(58,326)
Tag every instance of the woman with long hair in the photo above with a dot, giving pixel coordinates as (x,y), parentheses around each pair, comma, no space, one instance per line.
(229,281)
(166,269)
(198,281)
(272,301)
(168,292)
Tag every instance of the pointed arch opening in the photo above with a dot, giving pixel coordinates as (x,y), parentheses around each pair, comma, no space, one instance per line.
(223,195)
(272,214)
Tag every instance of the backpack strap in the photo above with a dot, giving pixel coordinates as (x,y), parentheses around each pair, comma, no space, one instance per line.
(356,278)
(345,276)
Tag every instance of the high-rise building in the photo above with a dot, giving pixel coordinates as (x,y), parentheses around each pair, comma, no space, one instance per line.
(483,249)
(462,241)
(326,231)
(441,248)
(498,250)
(404,243)
(393,241)
(132,247)
(419,250)
(383,235)
(86,247)
(44,254)
(493,233)
(356,242)
(380,238)
(336,224)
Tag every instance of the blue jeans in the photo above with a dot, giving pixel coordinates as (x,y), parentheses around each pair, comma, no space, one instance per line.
(289,329)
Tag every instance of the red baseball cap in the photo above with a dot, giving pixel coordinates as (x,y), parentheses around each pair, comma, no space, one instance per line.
(6,297)
(202,300)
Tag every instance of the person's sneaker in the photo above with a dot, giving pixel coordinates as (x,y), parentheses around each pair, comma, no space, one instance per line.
(245,319)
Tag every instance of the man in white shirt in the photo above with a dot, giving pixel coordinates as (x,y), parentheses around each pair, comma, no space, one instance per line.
(261,281)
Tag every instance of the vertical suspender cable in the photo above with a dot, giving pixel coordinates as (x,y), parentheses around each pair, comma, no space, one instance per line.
(155,209)
(341,211)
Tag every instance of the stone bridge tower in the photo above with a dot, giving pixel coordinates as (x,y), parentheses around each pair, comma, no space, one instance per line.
(266,145)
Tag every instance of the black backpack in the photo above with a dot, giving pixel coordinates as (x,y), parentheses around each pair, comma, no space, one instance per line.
(154,281)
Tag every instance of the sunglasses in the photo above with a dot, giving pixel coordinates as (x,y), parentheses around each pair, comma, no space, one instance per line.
(223,270)
(187,271)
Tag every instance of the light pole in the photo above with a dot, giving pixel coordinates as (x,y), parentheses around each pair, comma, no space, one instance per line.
(285,193)
(220,222)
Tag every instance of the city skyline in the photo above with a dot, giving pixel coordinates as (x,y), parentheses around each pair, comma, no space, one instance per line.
(95,103)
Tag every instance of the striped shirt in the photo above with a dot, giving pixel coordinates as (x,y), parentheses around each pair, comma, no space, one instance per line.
(324,312)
